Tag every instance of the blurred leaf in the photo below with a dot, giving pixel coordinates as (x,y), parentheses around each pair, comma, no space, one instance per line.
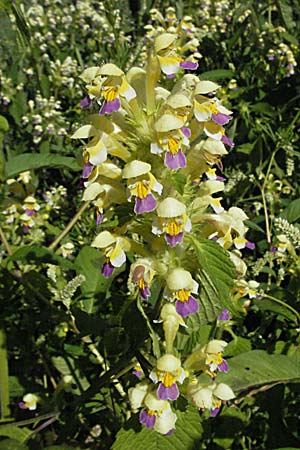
(292,212)
(215,75)
(258,368)
(60,447)
(16,433)
(12,444)
(266,304)
(187,435)
(19,106)
(29,161)
(15,388)
(286,12)
(35,254)
(216,276)
(231,422)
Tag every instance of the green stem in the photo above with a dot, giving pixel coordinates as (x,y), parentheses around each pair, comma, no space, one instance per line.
(5,243)
(69,226)
(282,303)
(4,387)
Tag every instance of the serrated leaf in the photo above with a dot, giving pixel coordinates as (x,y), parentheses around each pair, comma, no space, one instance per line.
(258,368)
(186,435)
(292,212)
(216,276)
(29,161)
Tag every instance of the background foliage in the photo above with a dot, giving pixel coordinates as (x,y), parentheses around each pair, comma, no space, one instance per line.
(71,342)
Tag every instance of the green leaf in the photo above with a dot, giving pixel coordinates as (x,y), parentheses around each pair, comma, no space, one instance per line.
(4,127)
(29,161)
(88,263)
(231,422)
(12,444)
(286,12)
(258,368)
(16,433)
(266,304)
(218,74)
(237,346)
(292,212)
(216,276)
(35,254)
(186,436)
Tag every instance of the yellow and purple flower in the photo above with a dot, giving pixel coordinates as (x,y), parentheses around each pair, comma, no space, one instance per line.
(210,396)
(157,415)
(171,221)
(107,84)
(113,248)
(141,183)
(214,359)
(141,274)
(170,62)
(167,372)
(179,288)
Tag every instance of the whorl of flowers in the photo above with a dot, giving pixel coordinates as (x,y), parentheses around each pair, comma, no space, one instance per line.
(158,153)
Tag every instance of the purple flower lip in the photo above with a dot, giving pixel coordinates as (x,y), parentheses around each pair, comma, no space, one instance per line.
(145,293)
(99,218)
(250,245)
(147,419)
(87,170)
(176,161)
(214,412)
(109,107)
(223,367)
(143,205)
(226,140)
(189,65)
(168,393)
(86,102)
(107,269)
(187,308)
(174,240)
(30,212)
(225,315)
(186,131)
(221,119)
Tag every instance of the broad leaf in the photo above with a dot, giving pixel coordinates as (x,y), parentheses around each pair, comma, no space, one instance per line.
(186,436)
(29,161)
(216,276)
(292,212)
(258,368)
(88,263)
(16,433)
